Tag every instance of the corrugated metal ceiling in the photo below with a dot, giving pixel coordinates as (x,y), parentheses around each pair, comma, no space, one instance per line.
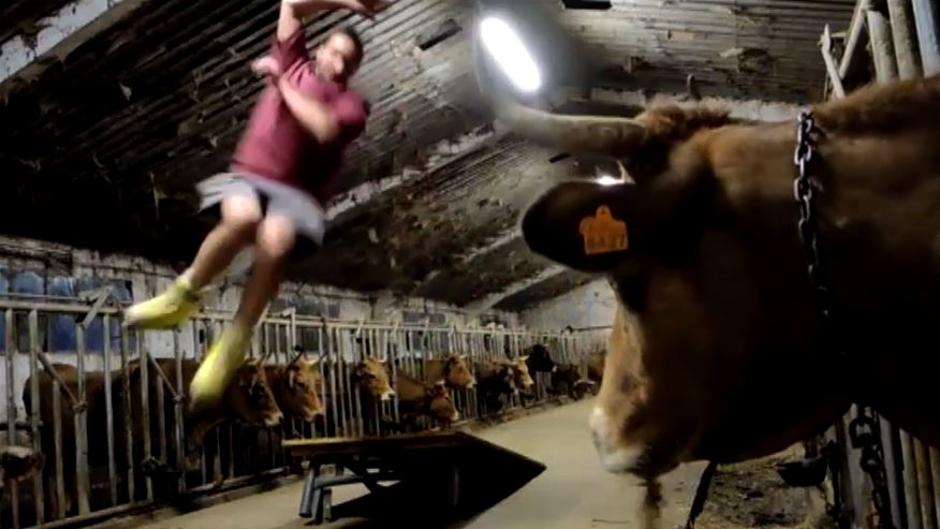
(114,138)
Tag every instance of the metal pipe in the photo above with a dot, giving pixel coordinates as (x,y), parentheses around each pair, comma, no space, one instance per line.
(891,469)
(935,475)
(199,352)
(57,438)
(128,415)
(217,476)
(926,16)
(34,412)
(81,426)
(231,449)
(381,408)
(63,307)
(109,408)
(11,351)
(905,45)
(922,460)
(855,39)
(356,395)
(161,415)
(145,408)
(882,47)
(333,405)
(911,494)
(343,391)
(288,421)
(181,458)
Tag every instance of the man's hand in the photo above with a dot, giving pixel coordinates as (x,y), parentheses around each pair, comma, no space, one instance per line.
(294,12)
(266,66)
(368,8)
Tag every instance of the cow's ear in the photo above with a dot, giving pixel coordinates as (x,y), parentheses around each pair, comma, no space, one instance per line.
(583,225)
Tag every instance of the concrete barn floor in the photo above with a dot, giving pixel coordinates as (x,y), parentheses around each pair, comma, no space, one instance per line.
(573,493)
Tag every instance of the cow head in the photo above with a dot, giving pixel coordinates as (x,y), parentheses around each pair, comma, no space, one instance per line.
(18,463)
(300,392)
(250,397)
(441,405)
(540,360)
(522,380)
(702,252)
(505,380)
(457,372)
(372,377)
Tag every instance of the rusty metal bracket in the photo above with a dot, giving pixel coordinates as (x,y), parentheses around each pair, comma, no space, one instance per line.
(825,46)
(166,380)
(100,297)
(47,365)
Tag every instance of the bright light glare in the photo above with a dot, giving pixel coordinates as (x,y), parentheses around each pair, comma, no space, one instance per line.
(608,180)
(507,49)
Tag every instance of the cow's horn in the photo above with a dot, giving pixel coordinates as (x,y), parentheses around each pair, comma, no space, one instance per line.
(300,353)
(583,134)
(599,135)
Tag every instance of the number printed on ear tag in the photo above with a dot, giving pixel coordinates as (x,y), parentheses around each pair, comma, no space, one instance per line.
(603,233)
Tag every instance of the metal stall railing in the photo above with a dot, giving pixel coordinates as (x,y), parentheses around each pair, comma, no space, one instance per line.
(107,405)
(902,42)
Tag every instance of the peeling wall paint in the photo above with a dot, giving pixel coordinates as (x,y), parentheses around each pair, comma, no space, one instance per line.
(592,305)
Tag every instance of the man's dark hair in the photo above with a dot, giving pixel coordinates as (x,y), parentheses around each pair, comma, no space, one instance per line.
(356,40)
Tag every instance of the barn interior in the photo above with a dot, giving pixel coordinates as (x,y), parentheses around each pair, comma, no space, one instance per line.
(113,110)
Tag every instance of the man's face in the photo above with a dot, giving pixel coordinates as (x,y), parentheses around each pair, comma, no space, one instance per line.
(337,58)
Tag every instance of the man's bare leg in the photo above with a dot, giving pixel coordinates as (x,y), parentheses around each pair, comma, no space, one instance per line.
(240,219)
(273,241)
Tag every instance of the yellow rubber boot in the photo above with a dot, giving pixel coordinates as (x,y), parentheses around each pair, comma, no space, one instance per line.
(218,368)
(166,311)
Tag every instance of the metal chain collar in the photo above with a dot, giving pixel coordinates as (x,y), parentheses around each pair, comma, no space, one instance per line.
(864,428)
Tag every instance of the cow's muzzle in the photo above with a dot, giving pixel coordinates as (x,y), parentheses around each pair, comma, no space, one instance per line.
(273,419)
(614,457)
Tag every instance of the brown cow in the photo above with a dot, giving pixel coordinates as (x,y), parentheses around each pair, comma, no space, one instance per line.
(495,382)
(595,366)
(372,377)
(716,350)
(453,370)
(566,380)
(18,463)
(248,399)
(96,419)
(520,373)
(296,388)
(433,400)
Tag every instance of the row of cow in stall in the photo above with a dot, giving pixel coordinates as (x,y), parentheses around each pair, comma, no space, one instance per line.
(145,441)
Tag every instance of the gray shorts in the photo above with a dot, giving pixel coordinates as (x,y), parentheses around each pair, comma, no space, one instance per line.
(301,208)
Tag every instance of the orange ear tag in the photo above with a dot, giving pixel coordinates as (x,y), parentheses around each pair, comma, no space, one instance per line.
(603,233)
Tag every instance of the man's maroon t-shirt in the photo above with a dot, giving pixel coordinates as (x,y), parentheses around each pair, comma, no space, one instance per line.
(277,147)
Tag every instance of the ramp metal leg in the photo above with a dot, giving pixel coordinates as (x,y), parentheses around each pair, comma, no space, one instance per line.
(453,492)
(307,497)
(326,506)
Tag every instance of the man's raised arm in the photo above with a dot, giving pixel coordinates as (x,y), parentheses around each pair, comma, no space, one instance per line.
(294,12)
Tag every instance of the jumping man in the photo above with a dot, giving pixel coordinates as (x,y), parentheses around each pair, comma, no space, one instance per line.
(279,178)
